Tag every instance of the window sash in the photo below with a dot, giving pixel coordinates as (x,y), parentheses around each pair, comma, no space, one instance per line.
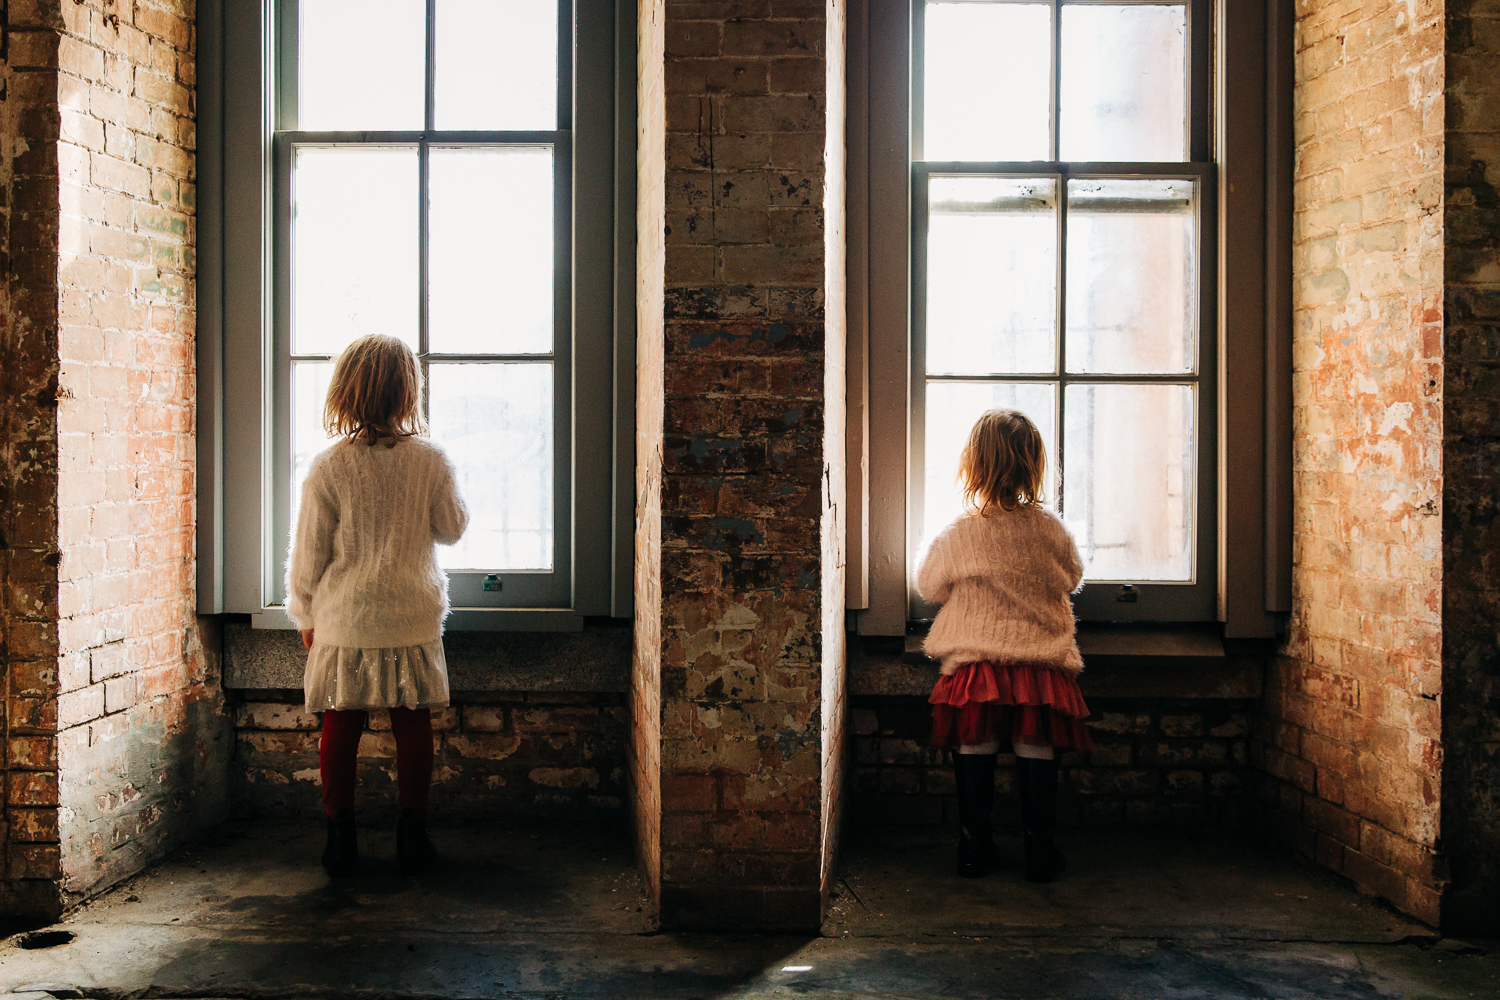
(519,588)
(1190,600)
(1103,600)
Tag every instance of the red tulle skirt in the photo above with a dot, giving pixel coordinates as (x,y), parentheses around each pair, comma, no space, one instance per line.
(1009,702)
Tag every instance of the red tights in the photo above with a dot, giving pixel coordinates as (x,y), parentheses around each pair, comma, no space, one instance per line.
(339,750)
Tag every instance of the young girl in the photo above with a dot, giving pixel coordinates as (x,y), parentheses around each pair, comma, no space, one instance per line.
(364,586)
(1003,573)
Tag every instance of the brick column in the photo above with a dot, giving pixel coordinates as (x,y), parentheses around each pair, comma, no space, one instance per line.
(1350,734)
(116,740)
(739,655)
(1471,457)
(29,890)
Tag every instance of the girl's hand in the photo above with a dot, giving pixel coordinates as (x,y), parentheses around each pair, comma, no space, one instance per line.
(307,638)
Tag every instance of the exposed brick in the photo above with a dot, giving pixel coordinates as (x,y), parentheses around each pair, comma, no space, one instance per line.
(33,825)
(1367,595)
(269,715)
(31,788)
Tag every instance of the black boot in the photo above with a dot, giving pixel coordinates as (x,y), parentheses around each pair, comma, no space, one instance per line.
(414,851)
(976,800)
(1044,861)
(341,856)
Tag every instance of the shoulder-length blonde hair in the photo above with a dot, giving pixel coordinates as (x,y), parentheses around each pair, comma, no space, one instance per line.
(376,392)
(1004,463)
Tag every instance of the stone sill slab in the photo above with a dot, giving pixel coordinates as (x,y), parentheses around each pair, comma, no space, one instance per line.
(595,659)
(1120,661)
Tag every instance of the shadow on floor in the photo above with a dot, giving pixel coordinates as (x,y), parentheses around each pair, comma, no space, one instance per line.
(517,912)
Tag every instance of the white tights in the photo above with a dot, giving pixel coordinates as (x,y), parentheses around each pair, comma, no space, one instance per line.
(1021,749)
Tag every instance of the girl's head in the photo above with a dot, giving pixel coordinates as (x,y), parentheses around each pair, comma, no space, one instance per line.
(376,392)
(1003,464)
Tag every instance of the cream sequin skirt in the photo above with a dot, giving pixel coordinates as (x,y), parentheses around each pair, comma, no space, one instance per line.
(340,677)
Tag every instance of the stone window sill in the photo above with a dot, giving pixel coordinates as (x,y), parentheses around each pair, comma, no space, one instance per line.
(594,659)
(1188,660)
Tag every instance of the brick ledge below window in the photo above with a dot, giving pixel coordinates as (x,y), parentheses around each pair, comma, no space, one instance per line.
(1121,661)
(594,659)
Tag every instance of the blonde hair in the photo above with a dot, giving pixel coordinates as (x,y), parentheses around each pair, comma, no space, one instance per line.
(376,392)
(1003,463)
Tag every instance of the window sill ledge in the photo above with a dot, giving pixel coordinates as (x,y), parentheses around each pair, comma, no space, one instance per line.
(592,659)
(1120,661)
(462,620)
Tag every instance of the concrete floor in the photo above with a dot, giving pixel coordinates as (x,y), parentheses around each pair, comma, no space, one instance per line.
(517,913)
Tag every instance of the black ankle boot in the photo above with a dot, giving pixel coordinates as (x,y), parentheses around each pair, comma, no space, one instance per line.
(341,856)
(1044,861)
(975,775)
(414,851)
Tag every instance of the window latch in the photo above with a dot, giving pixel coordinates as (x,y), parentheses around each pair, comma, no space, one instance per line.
(1127,594)
(491,583)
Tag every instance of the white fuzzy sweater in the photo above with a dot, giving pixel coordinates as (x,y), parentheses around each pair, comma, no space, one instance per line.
(1003,581)
(363,570)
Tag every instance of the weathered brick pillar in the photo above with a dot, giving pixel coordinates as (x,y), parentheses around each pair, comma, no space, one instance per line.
(117,744)
(1470,231)
(29,882)
(740,575)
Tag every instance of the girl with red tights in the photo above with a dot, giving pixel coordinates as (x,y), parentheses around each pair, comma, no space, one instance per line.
(365,587)
(1003,572)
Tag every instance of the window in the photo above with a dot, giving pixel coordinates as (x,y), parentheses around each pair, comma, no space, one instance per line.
(1063,243)
(1058,270)
(441,171)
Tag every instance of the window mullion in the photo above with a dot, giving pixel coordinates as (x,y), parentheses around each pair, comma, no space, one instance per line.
(429,78)
(429,99)
(1062,327)
(1056,90)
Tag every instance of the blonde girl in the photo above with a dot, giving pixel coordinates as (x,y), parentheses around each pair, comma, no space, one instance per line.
(364,586)
(1003,572)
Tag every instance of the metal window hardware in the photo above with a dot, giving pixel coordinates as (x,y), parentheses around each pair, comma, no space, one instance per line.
(491,583)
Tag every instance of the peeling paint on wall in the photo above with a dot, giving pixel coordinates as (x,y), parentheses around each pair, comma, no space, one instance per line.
(1350,714)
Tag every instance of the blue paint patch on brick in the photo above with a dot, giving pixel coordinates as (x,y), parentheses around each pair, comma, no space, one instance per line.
(745,531)
(773,335)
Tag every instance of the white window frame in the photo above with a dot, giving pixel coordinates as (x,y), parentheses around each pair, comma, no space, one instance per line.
(244,359)
(1243,562)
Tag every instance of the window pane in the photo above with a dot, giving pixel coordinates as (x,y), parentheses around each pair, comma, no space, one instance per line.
(1128,480)
(496,64)
(952,409)
(309,389)
(490,251)
(495,421)
(354,246)
(361,66)
(1124,82)
(986,74)
(991,275)
(1132,276)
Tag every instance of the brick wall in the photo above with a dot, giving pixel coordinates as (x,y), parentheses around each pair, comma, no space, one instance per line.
(143,741)
(1170,764)
(28,470)
(115,739)
(1349,740)
(502,755)
(1471,458)
(742,488)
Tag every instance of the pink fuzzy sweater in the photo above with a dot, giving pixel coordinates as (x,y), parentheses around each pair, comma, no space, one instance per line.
(1003,581)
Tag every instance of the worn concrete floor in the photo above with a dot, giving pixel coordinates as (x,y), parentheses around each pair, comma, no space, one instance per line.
(531,913)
